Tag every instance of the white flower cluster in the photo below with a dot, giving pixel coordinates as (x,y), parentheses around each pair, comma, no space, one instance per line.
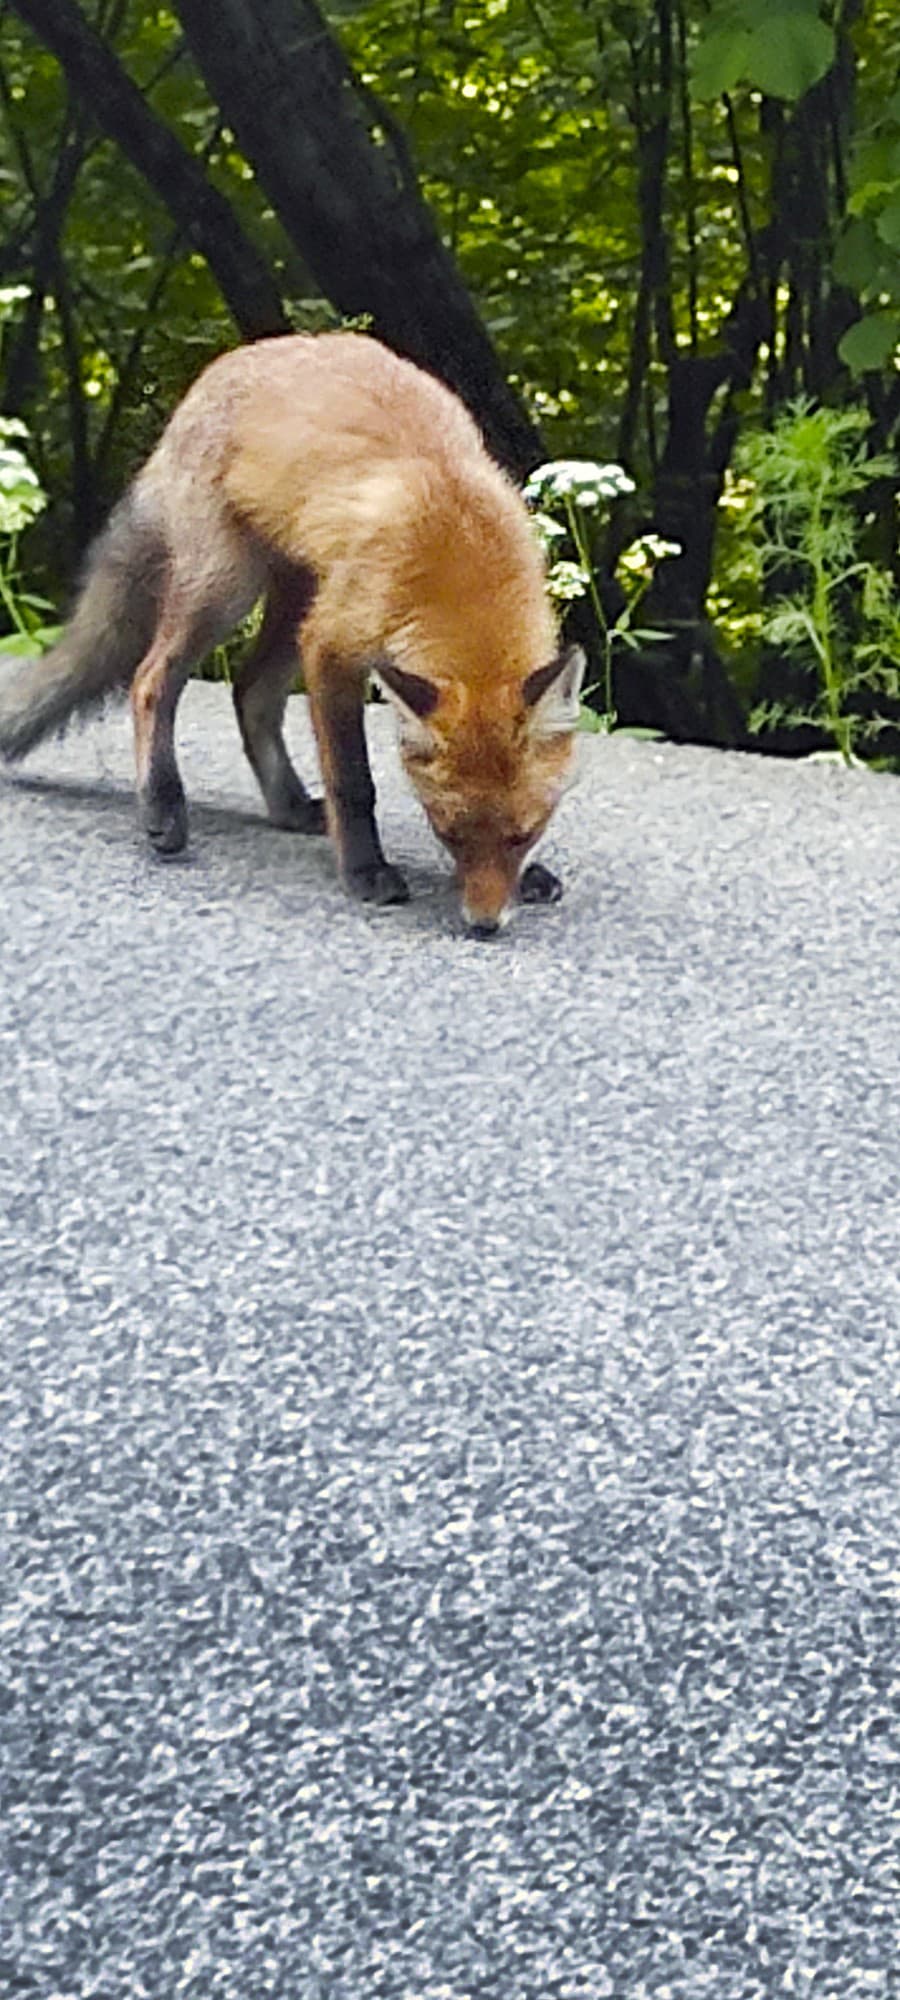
(643,555)
(567,580)
(21,495)
(578,479)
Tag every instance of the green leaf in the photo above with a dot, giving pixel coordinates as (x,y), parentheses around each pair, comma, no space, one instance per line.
(858,255)
(871,342)
(888,222)
(875,169)
(34,603)
(783,53)
(788,53)
(592,722)
(719,61)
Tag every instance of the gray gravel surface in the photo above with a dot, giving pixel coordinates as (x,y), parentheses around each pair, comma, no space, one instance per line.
(449,1397)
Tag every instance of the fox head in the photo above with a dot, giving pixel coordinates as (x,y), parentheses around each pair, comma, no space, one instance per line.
(488,764)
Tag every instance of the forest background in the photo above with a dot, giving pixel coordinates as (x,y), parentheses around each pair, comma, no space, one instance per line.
(635,233)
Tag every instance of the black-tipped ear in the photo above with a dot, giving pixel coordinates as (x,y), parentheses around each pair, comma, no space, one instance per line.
(418,696)
(551,693)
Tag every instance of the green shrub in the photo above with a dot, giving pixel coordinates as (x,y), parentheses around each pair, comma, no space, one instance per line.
(838,612)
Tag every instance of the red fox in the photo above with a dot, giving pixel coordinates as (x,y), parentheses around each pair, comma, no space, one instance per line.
(353,491)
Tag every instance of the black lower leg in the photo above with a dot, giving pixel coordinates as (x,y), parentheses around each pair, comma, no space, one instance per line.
(163,806)
(288,802)
(366,873)
(538,884)
(154,699)
(351,799)
(260,695)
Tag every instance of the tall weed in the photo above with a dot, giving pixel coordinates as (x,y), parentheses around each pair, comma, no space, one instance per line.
(838,612)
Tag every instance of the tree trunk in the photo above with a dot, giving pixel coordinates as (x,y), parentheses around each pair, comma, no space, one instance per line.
(120,110)
(680,685)
(337,170)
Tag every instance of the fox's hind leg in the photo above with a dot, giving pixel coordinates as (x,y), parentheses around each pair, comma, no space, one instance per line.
(155,693)
(336,696)
(261,690)
(195,615)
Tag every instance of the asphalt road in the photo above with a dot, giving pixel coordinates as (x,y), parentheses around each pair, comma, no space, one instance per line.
(450,1397)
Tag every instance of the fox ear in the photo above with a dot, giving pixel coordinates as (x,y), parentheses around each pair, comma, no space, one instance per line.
(413,695)
(413,699)
(551,693)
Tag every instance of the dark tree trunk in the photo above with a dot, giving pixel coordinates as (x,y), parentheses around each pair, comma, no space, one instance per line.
(50,208)
(652,149)
(684,678)
(680,685)
(96,76)
(337,171)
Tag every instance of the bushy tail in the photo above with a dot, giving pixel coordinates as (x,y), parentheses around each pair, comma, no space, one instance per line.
(104,641)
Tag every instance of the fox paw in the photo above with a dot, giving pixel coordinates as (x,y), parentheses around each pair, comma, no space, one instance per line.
(300,814)
(377,882)
(164,820)
(539,885)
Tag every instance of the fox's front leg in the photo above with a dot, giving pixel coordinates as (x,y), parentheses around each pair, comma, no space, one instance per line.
(538,884)
(337,701)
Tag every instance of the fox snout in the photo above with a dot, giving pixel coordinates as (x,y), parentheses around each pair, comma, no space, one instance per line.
(486,891)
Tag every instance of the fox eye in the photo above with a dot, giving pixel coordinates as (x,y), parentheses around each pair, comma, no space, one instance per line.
(519,841)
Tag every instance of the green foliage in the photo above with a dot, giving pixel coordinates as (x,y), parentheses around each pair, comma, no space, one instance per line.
(812,473)
(22,499)
(781,47)
(868,254)
(522,120)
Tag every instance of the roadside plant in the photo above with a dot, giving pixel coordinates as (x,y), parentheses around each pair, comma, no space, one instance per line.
(563,494)
(839,615)
(22,499)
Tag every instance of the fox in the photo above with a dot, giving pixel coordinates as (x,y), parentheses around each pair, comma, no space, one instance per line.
(352,493)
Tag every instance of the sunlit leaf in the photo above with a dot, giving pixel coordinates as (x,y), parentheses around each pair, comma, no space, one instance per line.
(720,60)
(871,342)
(789,52)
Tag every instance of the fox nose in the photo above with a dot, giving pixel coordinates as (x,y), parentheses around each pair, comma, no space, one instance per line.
(484,923)
(486,891)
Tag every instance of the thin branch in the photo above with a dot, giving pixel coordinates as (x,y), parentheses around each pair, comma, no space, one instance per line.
(690,187)
(82,472)
(743,203)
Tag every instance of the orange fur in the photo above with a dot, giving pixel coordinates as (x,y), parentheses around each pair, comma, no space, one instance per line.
(377,477)
(372,472)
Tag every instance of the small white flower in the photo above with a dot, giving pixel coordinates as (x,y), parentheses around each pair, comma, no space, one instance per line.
(22,497)
(658,548)
(548,529)
(566,581)
(642,555)
(16,471)
(579,479)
